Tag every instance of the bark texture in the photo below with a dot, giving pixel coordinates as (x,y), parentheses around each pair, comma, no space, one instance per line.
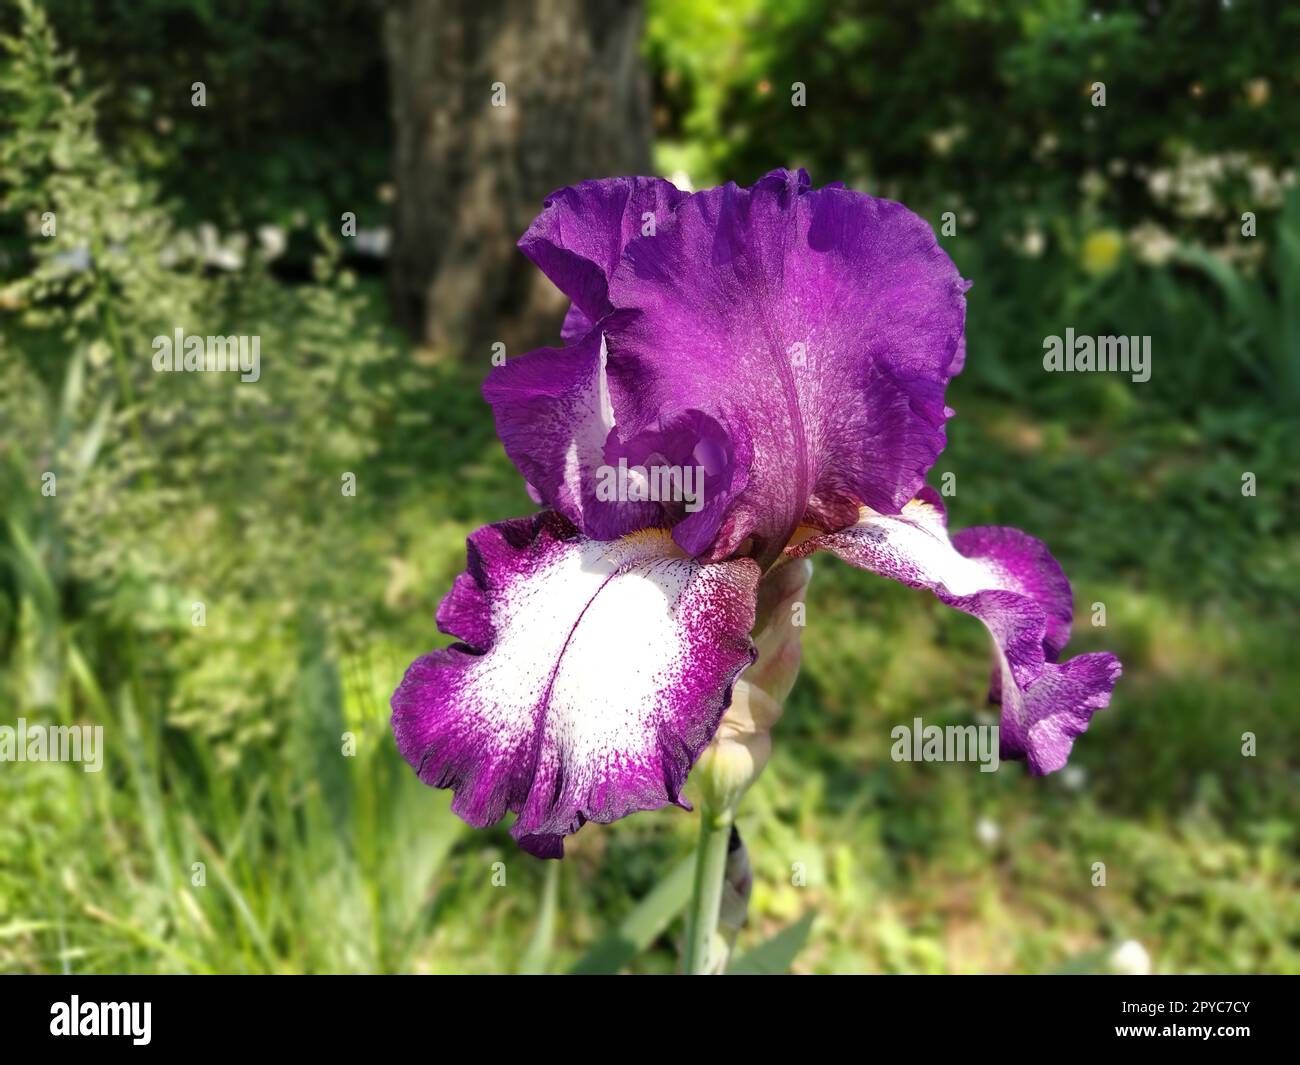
(471,175)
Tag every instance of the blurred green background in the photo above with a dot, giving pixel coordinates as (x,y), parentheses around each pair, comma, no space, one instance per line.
(225,742)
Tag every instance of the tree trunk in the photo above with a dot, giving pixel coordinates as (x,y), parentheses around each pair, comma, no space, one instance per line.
(471,175)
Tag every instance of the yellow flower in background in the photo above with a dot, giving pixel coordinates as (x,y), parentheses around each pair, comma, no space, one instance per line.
(1102,250)
(1257,91)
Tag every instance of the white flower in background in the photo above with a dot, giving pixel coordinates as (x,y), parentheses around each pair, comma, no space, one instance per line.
(1152,244)
(987,832)
(942,141)
(273,240)
(1074,777)
(1130,958)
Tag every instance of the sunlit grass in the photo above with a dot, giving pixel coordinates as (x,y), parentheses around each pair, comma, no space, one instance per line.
(316,861)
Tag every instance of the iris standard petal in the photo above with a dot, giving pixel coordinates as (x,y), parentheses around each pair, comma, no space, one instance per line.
(590,677)
(824,323)
(578,238)
(576,325)
(1013,585)
(555,418)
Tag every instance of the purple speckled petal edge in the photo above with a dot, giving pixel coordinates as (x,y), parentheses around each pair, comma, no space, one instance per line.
(589,678)
(1011,583)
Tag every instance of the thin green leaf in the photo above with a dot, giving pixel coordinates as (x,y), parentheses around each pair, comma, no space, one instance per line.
(643,925)
(774,956)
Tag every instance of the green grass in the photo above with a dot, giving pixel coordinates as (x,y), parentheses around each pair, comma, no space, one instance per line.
(316,861)
(253,815)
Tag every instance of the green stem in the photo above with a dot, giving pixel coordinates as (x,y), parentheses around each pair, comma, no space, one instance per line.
(706,900)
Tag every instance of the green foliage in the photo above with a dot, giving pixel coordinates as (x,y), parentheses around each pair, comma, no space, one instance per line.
(980,116)
(204,489)
(984,105)
(227,742)
(774,956)
(295,123)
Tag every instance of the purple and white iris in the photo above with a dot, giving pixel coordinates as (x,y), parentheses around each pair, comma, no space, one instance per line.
(793,345)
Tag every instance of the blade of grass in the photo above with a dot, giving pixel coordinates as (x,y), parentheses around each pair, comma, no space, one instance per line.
(643,925)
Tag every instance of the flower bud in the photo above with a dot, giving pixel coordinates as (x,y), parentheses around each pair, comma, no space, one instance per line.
(743,742)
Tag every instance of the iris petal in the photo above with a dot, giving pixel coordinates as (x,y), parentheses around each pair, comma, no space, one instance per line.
(824,321)
(590,677)
(700,452)
(1013,585)
(555,418)
(819,327)
(578,238)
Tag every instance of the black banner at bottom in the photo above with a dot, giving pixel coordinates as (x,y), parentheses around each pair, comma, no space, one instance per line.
(355,1013)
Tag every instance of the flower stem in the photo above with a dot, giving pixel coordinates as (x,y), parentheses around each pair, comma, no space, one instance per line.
(706,899)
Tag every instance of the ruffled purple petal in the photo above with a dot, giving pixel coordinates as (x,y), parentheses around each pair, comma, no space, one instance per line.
(581,233)
(556,421)
(1013,585)
(1031,566)
(691,451)
(590,677)
(959,359)
(554,418)
(821,325)
(576,325)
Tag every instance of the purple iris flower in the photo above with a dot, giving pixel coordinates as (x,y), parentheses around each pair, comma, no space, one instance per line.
(786,349)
